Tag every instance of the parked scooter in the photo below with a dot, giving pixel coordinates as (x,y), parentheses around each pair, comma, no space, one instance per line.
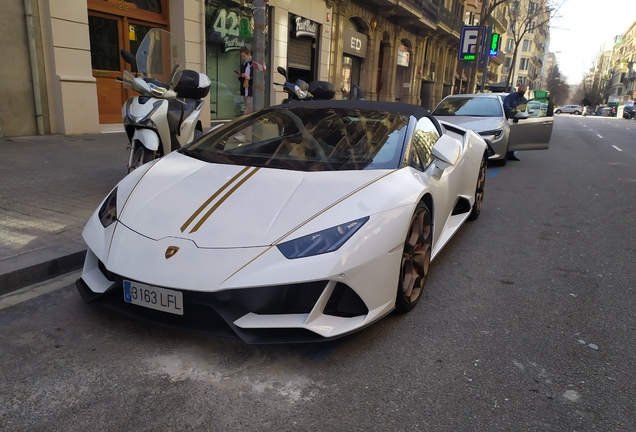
(301,90)
(165,116)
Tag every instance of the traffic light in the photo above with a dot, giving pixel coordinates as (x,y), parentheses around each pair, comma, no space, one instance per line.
(494,44)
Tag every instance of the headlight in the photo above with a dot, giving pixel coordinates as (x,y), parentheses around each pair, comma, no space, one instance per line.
(108,212)
(302,94)
(496,133)
(156,90)
(321,242)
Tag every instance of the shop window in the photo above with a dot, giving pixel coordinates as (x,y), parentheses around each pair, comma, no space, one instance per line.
(147,5)
(228,28)
(104,40)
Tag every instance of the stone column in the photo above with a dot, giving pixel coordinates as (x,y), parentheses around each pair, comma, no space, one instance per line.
(415,77)
(70,82)
(340,11)
(389,67)
(370,82)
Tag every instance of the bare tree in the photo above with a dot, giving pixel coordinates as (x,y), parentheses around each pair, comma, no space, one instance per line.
(487,8)
(557,86)
(526,17)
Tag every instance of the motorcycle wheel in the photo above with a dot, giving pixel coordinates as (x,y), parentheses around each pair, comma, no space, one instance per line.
(140,156)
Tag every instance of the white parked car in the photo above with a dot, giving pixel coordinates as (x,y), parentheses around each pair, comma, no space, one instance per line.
(300,222)
(569,109)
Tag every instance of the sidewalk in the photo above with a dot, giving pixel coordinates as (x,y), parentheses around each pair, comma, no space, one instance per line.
(49,187)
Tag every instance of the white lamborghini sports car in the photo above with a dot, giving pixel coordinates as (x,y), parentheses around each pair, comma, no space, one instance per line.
(300,222)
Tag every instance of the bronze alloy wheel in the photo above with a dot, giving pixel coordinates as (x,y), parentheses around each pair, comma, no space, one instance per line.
(479,192)
(416,259)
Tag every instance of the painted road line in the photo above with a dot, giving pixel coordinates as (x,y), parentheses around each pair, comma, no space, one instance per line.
(598,135)
(27,293)
(616,148)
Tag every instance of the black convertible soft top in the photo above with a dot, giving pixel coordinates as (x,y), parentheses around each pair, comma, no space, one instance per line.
(393,107)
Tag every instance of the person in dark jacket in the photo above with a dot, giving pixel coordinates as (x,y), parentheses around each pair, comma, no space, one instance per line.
(511,102)
(245,78)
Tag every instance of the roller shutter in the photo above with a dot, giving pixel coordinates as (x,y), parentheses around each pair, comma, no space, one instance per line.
(299,53)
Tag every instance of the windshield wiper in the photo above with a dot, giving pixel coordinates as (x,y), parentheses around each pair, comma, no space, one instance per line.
(194,155)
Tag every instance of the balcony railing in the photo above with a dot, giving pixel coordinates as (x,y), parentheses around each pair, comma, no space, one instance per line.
(501,17)
(446,17)
(430,11)
(491,76)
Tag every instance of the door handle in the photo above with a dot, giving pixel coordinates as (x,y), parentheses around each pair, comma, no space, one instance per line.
(548,123)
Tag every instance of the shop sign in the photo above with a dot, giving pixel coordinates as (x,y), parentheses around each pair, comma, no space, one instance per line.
(403,56)
(231,29)
(355,43)
(305,27)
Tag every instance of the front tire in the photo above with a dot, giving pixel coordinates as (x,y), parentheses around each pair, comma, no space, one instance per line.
(479,191)
(416,259)
(140,156)
(557,112)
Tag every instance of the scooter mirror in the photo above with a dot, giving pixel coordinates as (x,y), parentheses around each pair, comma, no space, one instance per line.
(281,70)
(128,57)
(175,76)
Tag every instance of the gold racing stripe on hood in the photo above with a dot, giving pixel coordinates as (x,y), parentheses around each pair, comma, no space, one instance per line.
(212,198)
(222,200)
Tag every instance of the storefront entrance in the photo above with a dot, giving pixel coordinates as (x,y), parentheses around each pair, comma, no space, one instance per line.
(302,49)
(355,51)
(114,25)
(228,28)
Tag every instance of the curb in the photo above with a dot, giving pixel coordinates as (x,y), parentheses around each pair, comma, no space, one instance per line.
(36,266)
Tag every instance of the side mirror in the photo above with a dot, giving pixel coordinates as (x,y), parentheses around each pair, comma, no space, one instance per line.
(521,115)
(446,150)
(128,57)
(281,70)
(175,76)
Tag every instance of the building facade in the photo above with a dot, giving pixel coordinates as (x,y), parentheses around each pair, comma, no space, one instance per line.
(621,68)
(527,68)
(498,24)
(395,50)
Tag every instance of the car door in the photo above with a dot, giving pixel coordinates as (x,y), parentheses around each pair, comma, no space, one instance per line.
(445,186)
(533,132)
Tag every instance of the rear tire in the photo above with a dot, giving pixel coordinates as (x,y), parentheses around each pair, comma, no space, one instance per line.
(416,259)
(576,113)
(479,191)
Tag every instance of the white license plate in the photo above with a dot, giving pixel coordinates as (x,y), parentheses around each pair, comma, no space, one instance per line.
(160,299)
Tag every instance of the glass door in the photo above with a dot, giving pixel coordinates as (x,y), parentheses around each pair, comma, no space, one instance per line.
(105,41)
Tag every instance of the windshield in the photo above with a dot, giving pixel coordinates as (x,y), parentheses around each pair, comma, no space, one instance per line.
(467,106)
(308,139)
(158,54)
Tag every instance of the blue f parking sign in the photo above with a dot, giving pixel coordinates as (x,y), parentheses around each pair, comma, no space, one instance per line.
(468,43)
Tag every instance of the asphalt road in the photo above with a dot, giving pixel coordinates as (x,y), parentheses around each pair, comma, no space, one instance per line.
(501,341)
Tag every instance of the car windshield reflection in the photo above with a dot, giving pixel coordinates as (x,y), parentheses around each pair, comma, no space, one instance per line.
(307,139)
(467,106)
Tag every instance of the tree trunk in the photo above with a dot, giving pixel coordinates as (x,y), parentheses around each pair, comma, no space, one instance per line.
(512,66)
